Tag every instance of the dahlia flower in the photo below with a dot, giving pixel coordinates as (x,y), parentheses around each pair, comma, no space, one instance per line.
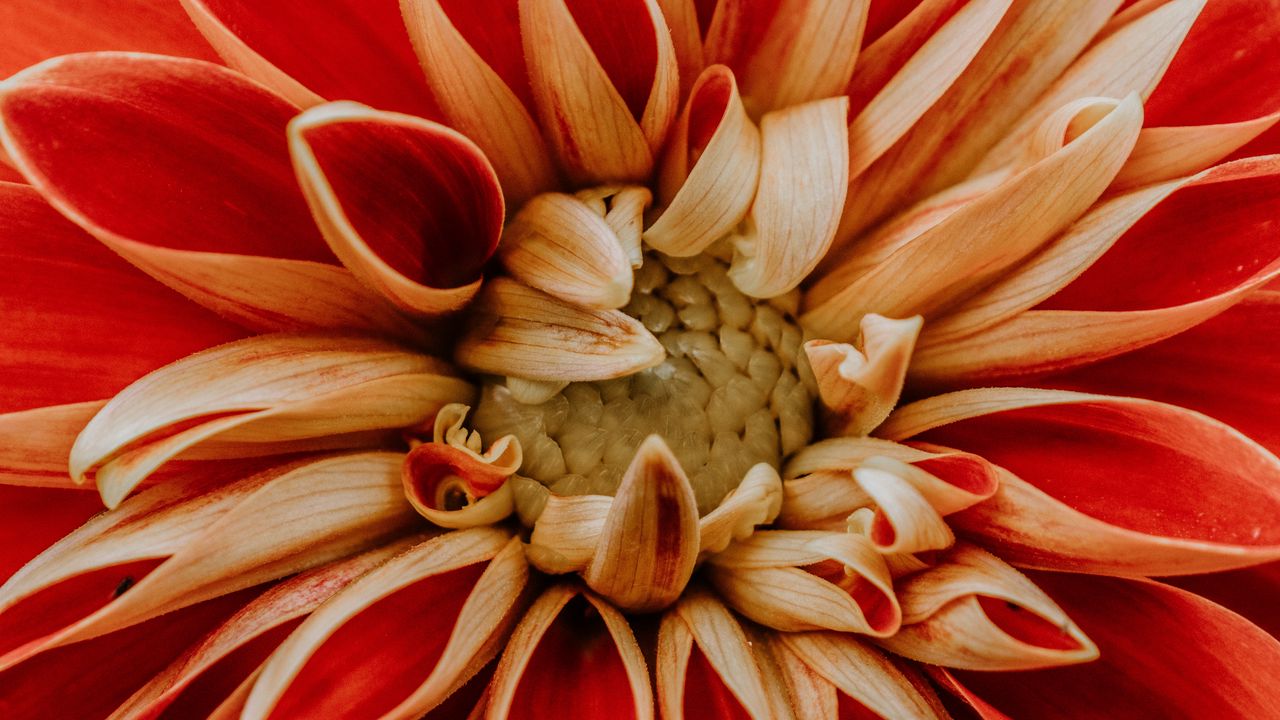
(639,358)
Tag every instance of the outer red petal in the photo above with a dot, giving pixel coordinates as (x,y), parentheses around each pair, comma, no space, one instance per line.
(1165,653)
(36,30)
(1228,368)
(79,322)
(339,49)
(32,519)
(1252,592)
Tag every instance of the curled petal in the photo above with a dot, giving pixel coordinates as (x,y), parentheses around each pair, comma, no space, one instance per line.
(292,49)
(557,244)
(516,330)
(756,501)
(411,207)
(804,171)
(975,612)
(711,168)
(456,488)
(794,581)
(567,532)
(229,654)
(262,395)
(705,663)
(860,387)
(180,543)
(573,652)
(859,673)
(605,82)
(649,542)
(1013,220)
(1195,496)
(472,581)
(475,67)
(904,521)
(1213,663)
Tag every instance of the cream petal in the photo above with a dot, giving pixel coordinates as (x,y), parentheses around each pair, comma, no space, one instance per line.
(860,672)
(567,532)
(905,521)
(756,501)
(858,388)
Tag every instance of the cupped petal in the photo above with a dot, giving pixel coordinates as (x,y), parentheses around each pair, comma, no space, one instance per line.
(804,172)
(1081,146)
(411,207)
(454,485)
(292,47)
(710,168)
(573,652)
(474,62)
(518,331)
(190,181)
(705,664)
(1164,653)
(372,651)
(80,323)
(1107,485)
(89,679)
(263,395)
(859,387)
(605,82)
(973,611)
(198,681)
(787,52)
(1033,43)
(183,542)
(1119,303)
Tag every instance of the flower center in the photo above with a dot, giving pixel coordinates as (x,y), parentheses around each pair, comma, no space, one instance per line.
(734,391)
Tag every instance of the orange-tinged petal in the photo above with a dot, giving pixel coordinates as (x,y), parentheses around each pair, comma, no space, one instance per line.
(411,207)
(1107,485)
(859,387)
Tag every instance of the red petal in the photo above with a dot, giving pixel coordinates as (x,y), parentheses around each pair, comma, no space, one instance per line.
(80,323)
(882,15)
(164,151)
(382,655)
(89,680)
(1165,653)
(32,519)
(621,35)
(340,50)
(705,694)
(36,30)
(492,29)
(1228,368)
(1224,69)
(576,669)
(1252,592)
(1208,238)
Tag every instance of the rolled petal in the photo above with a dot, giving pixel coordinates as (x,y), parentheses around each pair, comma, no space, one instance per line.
(756,501)
(411,207)
(1212,661)
(974,612)
(190,182)
(864,678)
(1035,41)
(860,387)
(62,343)
(182,542)
(904,520)
(1013,221)
(567,532)
(474,63)
(1110,308)
(1225,367)
(262,395)
(795,581)
(710,170)
(38,30)
(760,41)
(292,48)
(803,176)
(650,540)
(372,650)
(1107,485)
(516,330)
(605,82)
(451,483)
(705,664)
(575,653)
(189,687)
(559,245)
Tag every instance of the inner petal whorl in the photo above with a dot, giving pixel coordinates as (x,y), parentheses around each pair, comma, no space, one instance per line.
(733,391)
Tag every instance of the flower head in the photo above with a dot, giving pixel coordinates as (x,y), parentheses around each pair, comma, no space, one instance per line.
(640,358)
